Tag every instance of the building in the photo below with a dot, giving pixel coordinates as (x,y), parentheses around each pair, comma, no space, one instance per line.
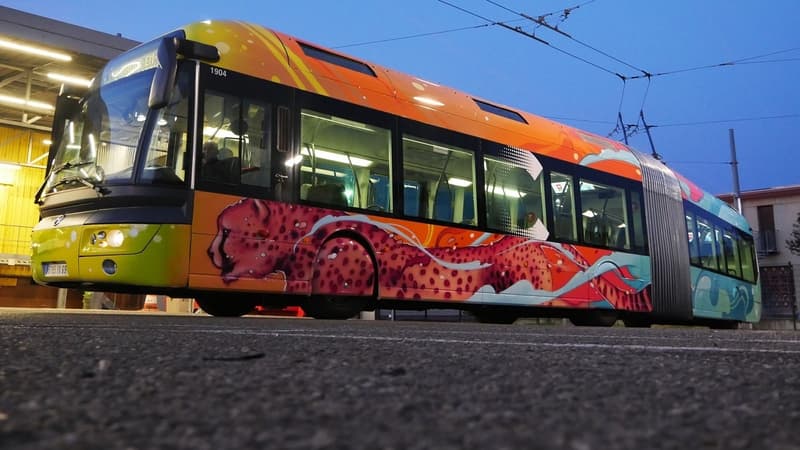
(773,213)
(37,55)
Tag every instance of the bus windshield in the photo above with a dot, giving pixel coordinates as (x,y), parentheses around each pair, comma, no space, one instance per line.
(99,140)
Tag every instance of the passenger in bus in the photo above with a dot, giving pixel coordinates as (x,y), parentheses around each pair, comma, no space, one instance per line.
(220,165)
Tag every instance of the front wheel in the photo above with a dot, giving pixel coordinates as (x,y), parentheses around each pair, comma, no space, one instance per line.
(225,307)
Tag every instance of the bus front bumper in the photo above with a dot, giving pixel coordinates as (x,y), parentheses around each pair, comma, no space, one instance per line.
(152,255)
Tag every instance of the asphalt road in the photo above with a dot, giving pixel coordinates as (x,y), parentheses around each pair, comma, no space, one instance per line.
(135,381)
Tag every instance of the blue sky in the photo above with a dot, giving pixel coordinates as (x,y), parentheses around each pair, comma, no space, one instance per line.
(509,68)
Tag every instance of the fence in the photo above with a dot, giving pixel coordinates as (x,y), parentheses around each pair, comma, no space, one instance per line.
(15,244)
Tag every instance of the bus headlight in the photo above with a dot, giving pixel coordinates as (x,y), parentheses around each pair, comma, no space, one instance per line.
(115,238)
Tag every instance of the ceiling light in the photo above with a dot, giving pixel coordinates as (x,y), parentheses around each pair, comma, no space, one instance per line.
(338,157)
(34,50)
(460,182)
(68,79)
(16,101)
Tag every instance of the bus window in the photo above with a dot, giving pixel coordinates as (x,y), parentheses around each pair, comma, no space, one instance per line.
(443,179)
(604,215)
(514,201)
(254,146)
(718,249)
(731,252)
(223,132)
(637,217)
(694,249)
(167,159)
(563,207)
(746,252)
(344,162)
(705,239)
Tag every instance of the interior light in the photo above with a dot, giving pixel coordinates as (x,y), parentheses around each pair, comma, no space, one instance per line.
(460,182)
(589,213)
(506,192)
(428,101)
(34,50)
(291,162)
(17,101)
(47,142)
(338,157)
(69,79)
(324,172)
(339,121)
(622,225)
(9,166)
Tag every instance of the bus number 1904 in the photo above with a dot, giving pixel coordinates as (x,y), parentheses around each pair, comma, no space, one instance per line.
(219,72)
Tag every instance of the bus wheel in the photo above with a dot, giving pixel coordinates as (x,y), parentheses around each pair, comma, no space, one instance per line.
(594,318)
(724,325)
(225,307)
(498,317)
(637,322)
(334,308)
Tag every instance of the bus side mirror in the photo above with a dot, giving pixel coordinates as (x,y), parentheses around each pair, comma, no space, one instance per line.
(164,76)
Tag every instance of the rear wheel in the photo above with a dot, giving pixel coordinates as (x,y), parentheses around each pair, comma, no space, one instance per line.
(637,322)
(595,318)
(225,307)
(334,308)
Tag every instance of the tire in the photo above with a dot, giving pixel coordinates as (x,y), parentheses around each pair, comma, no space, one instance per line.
(334,308)
(497,317)
(637,322)
(595,318)
(219,306)
(724,325)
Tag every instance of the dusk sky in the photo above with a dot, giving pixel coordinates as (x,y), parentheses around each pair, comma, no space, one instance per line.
(691,110)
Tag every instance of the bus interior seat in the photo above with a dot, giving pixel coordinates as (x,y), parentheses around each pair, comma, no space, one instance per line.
(329,194)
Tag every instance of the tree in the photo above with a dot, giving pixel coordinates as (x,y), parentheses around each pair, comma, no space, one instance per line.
(794,242)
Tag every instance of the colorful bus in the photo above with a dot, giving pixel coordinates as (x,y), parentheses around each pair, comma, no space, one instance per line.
(241,166)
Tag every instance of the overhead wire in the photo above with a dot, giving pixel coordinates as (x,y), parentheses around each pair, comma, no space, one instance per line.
(542,22)
(532,36)
(741,61)
(426,34)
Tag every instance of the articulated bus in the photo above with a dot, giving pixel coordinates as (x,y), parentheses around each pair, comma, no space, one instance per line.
(241,167)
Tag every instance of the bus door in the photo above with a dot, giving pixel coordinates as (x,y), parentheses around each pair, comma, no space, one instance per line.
(245,136)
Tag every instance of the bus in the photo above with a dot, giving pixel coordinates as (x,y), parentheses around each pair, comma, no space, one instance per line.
(241,166)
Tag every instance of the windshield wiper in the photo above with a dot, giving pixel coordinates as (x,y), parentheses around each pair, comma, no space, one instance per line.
(71,165)
(85,181)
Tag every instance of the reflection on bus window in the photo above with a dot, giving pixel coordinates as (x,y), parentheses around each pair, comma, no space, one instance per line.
(344,163)
(637,212)
(731,252)
(440,179)
(694,249)
(707,243)
(514,200)
(604,215)
(235,141)
(167,160)
(748,257)
(563,207)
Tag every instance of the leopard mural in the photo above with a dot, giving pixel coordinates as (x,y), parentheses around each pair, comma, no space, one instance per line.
(319,251)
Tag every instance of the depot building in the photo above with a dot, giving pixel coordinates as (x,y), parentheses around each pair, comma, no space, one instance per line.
(37,56)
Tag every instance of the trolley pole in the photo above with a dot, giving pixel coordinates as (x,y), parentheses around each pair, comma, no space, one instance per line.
(737,195)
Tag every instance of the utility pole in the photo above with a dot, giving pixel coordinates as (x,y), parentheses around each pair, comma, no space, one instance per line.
(737,195)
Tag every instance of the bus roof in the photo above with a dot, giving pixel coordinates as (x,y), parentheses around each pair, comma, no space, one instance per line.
(260,52)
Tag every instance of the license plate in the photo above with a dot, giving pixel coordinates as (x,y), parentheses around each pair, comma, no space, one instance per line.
(55,269)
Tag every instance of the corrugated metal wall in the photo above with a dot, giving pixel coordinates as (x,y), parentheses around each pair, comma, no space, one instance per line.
(21,150)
